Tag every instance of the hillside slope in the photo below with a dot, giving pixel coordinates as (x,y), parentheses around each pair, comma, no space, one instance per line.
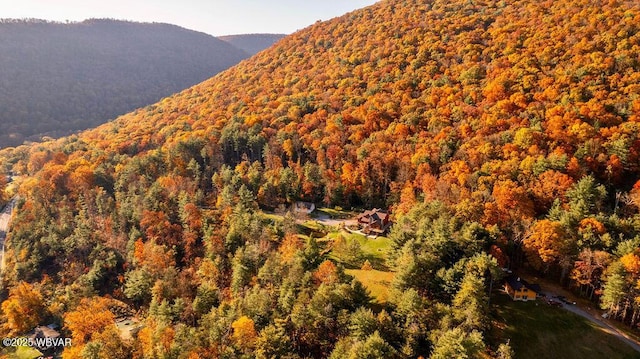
(59,78)
(453,91)
(252,43)
(498,133)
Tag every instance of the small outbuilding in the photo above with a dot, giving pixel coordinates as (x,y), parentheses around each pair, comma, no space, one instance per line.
(304,207)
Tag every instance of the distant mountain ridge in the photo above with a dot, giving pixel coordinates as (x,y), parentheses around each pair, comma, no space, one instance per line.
(252,43)
(58,78)
(499,134)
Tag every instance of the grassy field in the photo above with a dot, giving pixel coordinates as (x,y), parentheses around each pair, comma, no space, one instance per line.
(335,213)
(25,353)
(376,247)
(308,227)
(373,249)
(377,282)
(537,331)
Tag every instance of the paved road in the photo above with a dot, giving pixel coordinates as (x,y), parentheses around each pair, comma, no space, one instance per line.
(593,316)
(583,309)
(605,326)
(5,218)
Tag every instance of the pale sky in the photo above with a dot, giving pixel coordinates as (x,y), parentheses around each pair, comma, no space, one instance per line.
(215,17)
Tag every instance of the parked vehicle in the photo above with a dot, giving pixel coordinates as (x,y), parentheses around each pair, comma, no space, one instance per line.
(563,299)
(554,303)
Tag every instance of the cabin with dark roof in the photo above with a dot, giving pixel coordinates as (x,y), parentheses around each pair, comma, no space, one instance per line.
(375,221)
(519,289)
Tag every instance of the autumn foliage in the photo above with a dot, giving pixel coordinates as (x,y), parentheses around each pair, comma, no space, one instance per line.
(91,317)
(24,308)
(487,126)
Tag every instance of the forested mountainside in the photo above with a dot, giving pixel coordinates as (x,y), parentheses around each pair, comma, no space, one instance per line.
(498,134)
(252,43)
(58,78)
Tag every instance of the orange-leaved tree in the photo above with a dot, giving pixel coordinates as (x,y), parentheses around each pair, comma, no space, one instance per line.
(546,244)
(91,316)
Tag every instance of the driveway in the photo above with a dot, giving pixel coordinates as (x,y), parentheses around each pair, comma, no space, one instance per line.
(597,319)
(326,220)
(590,314)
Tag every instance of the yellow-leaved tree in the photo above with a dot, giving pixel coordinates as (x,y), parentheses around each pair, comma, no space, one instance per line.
(244,333)
(23,309)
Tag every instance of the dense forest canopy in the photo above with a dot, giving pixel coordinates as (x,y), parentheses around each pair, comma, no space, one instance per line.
(498,133)
(58,78)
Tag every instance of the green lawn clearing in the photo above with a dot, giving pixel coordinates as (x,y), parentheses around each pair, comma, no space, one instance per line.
(372,249)
(377,282)
(25,353)
(536,330)
(334,213)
